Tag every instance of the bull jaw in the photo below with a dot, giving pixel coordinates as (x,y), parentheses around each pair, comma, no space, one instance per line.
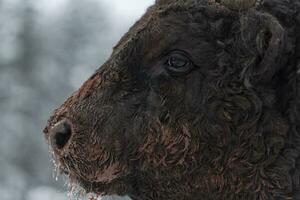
(106,175)
(107,181)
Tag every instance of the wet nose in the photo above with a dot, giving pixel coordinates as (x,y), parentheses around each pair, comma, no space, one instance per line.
(60,134)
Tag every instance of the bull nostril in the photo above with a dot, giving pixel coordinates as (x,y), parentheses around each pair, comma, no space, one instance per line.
(60,134)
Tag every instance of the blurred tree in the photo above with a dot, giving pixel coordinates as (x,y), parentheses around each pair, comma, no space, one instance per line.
(27,152)
(28,41)
(84,24)
(85,34)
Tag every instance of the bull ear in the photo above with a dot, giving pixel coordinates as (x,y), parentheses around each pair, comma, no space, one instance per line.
(270,44)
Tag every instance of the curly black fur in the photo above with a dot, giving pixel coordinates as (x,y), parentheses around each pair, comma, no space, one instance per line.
(226,128)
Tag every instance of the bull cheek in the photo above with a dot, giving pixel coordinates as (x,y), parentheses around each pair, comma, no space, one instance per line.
(165,147)
(105,174)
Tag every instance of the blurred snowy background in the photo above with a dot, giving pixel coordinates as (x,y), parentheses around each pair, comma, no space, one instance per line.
(47,49)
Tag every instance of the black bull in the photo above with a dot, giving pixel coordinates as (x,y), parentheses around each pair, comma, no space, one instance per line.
(199,100)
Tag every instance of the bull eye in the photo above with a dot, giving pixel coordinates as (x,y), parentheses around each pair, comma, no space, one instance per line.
(178,63)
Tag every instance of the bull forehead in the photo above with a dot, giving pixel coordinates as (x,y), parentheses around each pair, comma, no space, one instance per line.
(165,28)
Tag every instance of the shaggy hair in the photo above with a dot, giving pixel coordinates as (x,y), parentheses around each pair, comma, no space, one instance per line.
(199,100)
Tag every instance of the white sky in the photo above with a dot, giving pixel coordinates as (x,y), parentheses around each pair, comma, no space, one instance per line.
(128,8)
(121,13)
(51,6)
(124,8)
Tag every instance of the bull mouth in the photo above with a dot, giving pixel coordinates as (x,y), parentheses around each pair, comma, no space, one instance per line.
(80,182)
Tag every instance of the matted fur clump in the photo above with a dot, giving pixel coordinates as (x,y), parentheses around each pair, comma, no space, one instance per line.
(199,100)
